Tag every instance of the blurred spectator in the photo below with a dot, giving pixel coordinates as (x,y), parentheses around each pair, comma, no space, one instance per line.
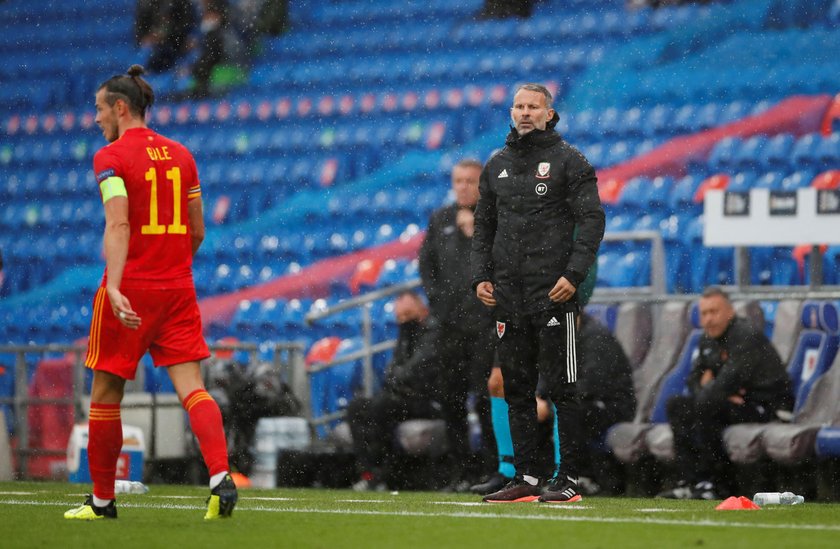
(637,4)
(211,44)
(218,43)
(165,27)
(257,17)
(407,393)
(500,9)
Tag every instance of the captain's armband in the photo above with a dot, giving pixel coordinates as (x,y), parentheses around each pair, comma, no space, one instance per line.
(111,187)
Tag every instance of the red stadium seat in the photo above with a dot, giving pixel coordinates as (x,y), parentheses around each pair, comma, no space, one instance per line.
(717,181)
(366,274)
(322,350)
(610,190)
(827,180)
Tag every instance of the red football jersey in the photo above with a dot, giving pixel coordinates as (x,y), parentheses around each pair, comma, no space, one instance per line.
(160,176)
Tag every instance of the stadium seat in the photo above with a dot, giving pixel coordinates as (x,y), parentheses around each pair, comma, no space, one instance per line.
(605,313)
(827,180)
(742,182)
(792,443)
(813,354)
(771,181)
(797,180)
(681,198)
(804,153)
(775,156)
(672,325)
(722,157)
(748,154)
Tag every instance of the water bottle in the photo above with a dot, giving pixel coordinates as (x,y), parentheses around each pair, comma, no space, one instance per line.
(129,487)
(777,498)
(475,431)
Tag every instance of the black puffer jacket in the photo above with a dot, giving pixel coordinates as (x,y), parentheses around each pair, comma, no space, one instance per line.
(412,371)
(533,193)
(445,271)
(745,363)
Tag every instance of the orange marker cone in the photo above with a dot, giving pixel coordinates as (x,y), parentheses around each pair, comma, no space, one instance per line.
(241,480)
(740,503)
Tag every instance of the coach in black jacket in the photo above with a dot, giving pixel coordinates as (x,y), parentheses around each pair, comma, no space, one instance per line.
(527,265)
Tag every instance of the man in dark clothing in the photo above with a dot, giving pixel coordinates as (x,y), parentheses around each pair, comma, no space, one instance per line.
(737,377)
(408,392)
(463,324)
(606,391)
(165,26)
(527,265)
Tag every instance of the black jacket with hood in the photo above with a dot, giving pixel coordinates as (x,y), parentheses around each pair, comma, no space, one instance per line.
(533,193)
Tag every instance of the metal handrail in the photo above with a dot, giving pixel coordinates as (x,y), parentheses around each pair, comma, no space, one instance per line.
(21,401)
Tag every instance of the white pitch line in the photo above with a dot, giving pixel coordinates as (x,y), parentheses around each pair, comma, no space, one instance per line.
(489,505)
(493,516)
(359,500)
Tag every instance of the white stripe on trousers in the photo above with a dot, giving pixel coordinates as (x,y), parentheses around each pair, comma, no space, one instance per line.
(571,351)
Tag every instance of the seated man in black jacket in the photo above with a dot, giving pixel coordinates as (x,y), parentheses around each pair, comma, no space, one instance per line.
(606,396)
(407,393)
(737,377)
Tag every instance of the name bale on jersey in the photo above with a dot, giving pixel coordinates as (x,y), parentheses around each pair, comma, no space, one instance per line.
(158,153)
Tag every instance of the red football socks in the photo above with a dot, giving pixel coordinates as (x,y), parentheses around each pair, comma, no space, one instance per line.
(105,439)
(206,423)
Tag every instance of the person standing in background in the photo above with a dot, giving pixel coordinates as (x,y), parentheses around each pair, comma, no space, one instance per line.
(463,326)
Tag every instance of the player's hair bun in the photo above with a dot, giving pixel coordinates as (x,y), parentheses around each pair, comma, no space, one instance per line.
(136,70)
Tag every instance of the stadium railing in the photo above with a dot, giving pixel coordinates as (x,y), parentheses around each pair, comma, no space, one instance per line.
(287,363)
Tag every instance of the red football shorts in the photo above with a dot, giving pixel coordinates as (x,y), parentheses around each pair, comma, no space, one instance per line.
(170,331)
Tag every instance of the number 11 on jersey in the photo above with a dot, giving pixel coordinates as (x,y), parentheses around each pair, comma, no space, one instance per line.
(176,227)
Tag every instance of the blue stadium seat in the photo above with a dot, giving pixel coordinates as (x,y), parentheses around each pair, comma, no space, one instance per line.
(797,180)
(775,156)
(658,121)
(269,318)
(675,382)
(771,181)
(742,182)
(815,349)
(748,155)
(605,313)
(722,157)
(805,152)
(681,198)
(828,152)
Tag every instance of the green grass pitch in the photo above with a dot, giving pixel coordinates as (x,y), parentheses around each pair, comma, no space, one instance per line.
(31,515)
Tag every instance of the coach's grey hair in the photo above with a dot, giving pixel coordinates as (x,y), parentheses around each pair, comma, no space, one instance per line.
(712,291)
(539,88)
(469,163)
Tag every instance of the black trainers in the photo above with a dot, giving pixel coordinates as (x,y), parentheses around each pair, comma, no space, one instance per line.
(704,490)
(222,500)
(515,491)
(89,511)
(561,491)
(493,483)
(681,491)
